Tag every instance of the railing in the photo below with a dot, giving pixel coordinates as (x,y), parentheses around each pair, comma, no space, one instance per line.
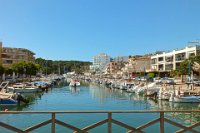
(109,120)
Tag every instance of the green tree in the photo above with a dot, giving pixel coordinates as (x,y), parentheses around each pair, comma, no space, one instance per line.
(173,73)
(49,66)
(196,59)
(31,68)
(2,70)
(184,67)
(9,71)
(196,64)
(151,75)
(20,67)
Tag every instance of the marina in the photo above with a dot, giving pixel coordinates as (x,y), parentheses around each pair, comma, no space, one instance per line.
(100,66)
(91,96)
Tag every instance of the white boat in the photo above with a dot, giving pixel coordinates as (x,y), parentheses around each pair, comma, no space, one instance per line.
(152,91)
(74,83)
(141,90)
(134,89)
(23,88)
(164,95)
(184,99)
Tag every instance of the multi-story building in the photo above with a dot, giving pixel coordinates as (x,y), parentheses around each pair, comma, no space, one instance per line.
(9,56)
(137,64)
(100,61)
(114,67)
(120,59)
(170,60)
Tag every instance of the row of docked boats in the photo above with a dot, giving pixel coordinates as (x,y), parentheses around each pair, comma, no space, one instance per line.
(152,89)
(13,94)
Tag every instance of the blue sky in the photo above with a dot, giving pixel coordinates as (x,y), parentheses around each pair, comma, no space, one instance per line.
(80,29)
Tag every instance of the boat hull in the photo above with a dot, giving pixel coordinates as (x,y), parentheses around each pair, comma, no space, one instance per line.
(187,99)
(7,101)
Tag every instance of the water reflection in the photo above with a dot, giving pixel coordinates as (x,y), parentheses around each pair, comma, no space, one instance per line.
(103,95)
(99,93)
(97,97)
(184,118)
(74,90)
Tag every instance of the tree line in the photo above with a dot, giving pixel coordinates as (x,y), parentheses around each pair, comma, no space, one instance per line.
(60,67)
(22,67)
(45,67)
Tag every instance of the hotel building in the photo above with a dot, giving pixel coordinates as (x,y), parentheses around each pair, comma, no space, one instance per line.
(9,56)
(170,60)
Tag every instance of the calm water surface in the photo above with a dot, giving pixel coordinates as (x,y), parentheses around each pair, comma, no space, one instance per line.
(94,97)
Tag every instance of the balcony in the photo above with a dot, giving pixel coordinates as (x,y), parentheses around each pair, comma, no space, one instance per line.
(191,54)
(169,59)
(153,63)
(180,58)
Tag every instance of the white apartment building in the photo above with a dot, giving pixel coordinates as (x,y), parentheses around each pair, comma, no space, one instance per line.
(170,60)
(100,61)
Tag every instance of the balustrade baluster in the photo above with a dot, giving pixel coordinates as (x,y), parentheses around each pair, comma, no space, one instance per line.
(109,122)
(161,122)
(53,123)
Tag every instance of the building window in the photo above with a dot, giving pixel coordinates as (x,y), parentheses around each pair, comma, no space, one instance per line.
(168,67)
(160,59)
(180,57)
(191,54)
(7,62)
(169,59)
(160,67)
(153,61)
(177,65)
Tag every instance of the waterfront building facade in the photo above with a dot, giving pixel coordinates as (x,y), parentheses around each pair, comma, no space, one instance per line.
(99,62)
(9,56)
(120,59)
(114,67)
(170,60)
(137,64)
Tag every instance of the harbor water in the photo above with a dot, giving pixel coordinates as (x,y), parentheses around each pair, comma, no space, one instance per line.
(94,97)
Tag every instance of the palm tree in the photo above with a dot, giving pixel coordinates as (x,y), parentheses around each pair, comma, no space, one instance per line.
(196,67)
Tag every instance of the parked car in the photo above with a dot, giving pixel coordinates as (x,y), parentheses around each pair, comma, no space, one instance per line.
(170,81)
(167,80)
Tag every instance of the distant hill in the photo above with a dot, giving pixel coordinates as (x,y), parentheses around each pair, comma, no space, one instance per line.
(60,67)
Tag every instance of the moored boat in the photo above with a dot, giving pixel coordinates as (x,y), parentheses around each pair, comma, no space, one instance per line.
(22,88)
(11,98)
(184,98)
(74,83)
(7,99)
